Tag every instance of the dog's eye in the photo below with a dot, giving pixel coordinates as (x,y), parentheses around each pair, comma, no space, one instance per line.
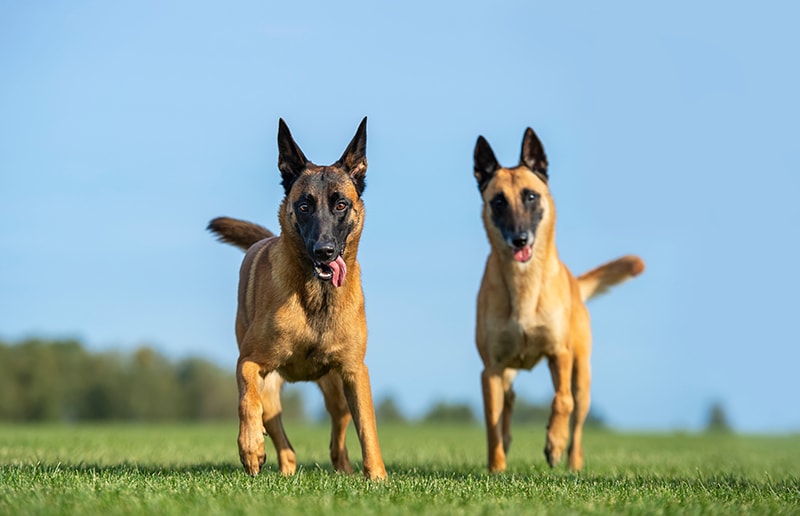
(303,207)
(499,203)
(532,196)
(341,206)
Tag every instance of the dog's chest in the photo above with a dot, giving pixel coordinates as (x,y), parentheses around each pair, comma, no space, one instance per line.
(307,344)
(521,344)
(308,360)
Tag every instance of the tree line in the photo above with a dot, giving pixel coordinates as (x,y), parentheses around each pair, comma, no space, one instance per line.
(60,380)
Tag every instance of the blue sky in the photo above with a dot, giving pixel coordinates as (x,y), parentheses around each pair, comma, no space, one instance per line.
(670,128)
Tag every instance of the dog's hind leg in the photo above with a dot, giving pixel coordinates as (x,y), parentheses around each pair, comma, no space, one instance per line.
(581,383)
(508,406)
(273,425)
(336,404)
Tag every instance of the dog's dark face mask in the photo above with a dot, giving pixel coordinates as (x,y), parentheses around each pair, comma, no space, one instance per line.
(515,198)
(517,219)
(324,201)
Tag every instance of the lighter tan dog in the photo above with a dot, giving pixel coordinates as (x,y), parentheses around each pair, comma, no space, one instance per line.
(530,306)
(301,307)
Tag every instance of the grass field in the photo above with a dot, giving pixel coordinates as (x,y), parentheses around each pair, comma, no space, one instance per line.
(194,469)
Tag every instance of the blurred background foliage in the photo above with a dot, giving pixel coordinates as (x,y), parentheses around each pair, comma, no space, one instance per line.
(60,380)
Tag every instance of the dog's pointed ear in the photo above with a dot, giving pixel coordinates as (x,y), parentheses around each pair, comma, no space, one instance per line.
(532,155)
(291,160)
(485,163)
(354,159)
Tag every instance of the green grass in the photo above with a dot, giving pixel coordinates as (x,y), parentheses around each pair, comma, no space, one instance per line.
(194,469)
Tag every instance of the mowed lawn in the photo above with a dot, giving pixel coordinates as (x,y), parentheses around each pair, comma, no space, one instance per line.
(194,469)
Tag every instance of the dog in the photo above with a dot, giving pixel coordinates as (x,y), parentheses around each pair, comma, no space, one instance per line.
(300,310)
(529,304)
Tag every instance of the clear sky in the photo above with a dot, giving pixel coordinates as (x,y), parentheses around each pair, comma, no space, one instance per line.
(671,130)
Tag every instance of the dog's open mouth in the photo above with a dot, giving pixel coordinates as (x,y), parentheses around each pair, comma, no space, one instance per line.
(334,271)
(523,254)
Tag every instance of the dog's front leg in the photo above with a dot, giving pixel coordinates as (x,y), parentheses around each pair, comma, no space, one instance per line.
(563,404)
(273,423)
(251,427)
(359,397)
(493,399)
(336,404)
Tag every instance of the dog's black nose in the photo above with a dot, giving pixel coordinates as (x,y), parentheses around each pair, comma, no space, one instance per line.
(520,239)
(324,252)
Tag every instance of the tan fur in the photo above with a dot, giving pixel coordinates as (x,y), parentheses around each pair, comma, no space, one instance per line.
(598,280)
(535,310)
(292,326)
(238,233)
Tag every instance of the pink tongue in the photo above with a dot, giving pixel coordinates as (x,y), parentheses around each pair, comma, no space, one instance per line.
(339,271)
(523,255)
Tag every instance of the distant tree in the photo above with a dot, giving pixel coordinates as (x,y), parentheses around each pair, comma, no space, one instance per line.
(37,379)
(8,385)
(717,419)
(387,411)
(152,387)
(208,392)
(59,380)
(103,392)
(40,380)
(443,412)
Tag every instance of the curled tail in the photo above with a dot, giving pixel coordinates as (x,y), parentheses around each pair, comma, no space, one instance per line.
(598,280)
(237,232)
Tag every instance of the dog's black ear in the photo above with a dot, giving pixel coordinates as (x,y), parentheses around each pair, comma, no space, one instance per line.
(485,163)
(291,160)
(354,159)
(533,155)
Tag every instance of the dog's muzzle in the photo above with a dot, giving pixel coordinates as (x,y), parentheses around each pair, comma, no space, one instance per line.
(333,271)
(522,246)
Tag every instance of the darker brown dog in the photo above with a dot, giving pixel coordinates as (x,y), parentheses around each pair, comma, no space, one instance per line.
(530,306)
(301,307)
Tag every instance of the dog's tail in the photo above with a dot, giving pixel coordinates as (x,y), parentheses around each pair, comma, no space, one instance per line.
(598,280)
(237,232)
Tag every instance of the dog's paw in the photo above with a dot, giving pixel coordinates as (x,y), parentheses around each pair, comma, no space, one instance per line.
(287,462)
(497,468)
(497,464)
(553,453)
(341,464)
(375,472)
(252,463)
(251,453)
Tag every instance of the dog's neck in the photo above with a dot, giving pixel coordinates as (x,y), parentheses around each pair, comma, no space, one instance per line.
(524,282)
(316,295)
